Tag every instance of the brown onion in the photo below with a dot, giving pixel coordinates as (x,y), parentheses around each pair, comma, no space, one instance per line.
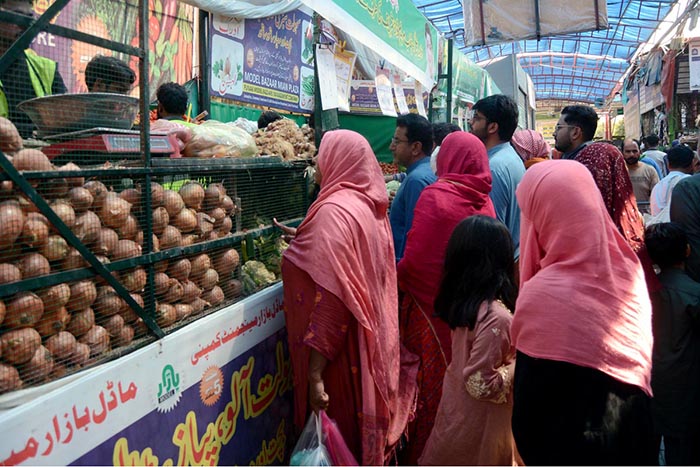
(232,288)
(192,194)
(213,196)
(24,310)
(81,355)
(32,159)
(225,226)
(38,367)
(214,296)
(114,210)
(180,269)
(55,297)
(218,214)
(65,212)
(161,266)
(129,229)
(161,284)
(55,248)
(132,196)
(18,345)
(34,265)
(165,314)
(87,227)
(228,205)
(80,198)
(107,241)
(9,273)
(126,249)
(156,195)
(37,216)
(200,264)
(54,188)
(82,295)
(170,238)
(135,280)
(62,345)
(174,293)
(81,321)
(97,339)
(9,377)
(113,325)
(189,239)
(53,322)
(127,312)
(182,310)
(198,305)
(34,233)
(12,222)
(98,190)
(227,262)
(107,303)
(205,224)
(209,279)
(190,291)
(125,336)
(73,260)
(74,181)
(160,220)
(185,220)
(173,203)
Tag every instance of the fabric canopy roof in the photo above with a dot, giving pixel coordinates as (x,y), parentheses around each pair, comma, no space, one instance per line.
(583,67)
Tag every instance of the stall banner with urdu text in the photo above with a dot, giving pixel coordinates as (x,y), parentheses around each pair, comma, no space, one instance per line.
(217,392)
(265,61)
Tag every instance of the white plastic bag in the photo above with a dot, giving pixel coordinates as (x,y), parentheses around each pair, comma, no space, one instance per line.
(310,449)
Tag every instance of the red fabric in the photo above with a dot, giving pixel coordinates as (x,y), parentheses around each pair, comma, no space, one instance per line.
(345,245)
(668,78)
(462,190)
(610,173)
(530,144)
(582,294)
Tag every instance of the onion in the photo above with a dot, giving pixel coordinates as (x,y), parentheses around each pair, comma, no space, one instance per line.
(80,198)
(113,325)
(98,190)
(18,345)
(9,273)
(75,181)
(192,194)
(132,196)
(218,214)
(107,241)
(55,297)
(185,220)
(140,327)
(87,227)
(209,279)
(200,264)
(160,220)
(34,233)
(190,291)
(81,322)
(114,210)
(182,311)
(32,159)
(62,345)
(37,216)
(54,188)
(228,205)
(135,280)
(214,296)
(127,312)
(55,249)
(107,303)
(82,295)
(213,196)
(38,367)
(65,212)
(170,238)
(161,266)
(198,305)
(81,355)
(125,336)
(6,188)
(53,322)
(9,378)
(11,224)
(156,195)
(24,310)
(26,205)
(59,371)
(227,262)
(34,265)
(97,339)
(188,240)
(154,239)
(174,293)
(73,260)
(173,202)
(232,288)
(161,284)
(205,224)
(129,229)
(165,314)
(126,249)
(180,269)
(225,226)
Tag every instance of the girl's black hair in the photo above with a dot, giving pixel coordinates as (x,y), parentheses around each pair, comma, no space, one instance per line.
(479,266)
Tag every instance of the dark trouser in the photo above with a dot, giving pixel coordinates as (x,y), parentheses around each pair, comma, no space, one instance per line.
(571,415)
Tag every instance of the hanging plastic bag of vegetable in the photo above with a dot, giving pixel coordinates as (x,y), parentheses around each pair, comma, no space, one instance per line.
(310,449)
(337,449)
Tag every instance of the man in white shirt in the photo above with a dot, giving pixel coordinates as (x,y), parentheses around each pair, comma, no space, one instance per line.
(681,163)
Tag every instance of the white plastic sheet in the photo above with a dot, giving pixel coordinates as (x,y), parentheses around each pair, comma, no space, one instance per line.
(246,8)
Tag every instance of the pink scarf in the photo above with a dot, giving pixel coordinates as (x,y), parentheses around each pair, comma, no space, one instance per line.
(530,144)
(583,299)
(345,245)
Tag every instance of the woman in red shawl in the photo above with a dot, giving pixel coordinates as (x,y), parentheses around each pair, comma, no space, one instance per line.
(462,190)
(340,303)
(606,164)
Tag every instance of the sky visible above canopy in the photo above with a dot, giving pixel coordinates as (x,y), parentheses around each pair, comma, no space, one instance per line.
(583,67)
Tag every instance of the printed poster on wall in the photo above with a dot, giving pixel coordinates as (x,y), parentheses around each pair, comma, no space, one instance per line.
(327,82)
(265,61)
(216,392)
(399,95)
(385,96)
(344,65)
(694,57)
(363,98)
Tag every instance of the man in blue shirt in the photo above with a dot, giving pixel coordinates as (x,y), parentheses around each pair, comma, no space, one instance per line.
(411,147)
(494,120)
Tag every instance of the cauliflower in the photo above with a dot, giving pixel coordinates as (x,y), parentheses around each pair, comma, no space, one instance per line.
(392,186)
(255,275)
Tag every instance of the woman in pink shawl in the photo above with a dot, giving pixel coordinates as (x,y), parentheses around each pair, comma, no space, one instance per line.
(341,300)
(462,190)
(531,147)
(582,328)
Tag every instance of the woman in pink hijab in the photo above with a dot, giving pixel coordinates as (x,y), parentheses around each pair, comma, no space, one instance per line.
(531,147)
(341,304)
(582,328)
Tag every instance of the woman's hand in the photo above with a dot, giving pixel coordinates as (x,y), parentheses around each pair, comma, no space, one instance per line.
(318,398)
(289,232)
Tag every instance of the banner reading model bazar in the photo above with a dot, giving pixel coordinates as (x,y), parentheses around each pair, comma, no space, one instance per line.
(216,392)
